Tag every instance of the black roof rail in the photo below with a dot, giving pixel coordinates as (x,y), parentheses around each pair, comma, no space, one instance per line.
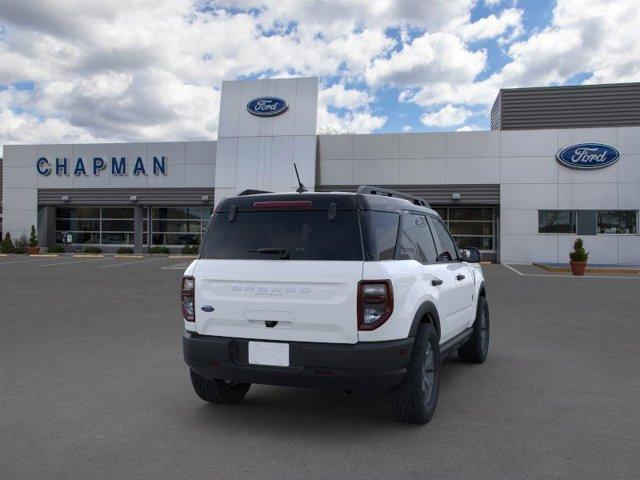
(386,192)
(250,191)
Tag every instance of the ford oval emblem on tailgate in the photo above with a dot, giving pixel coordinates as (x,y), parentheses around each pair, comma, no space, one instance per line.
(207,308)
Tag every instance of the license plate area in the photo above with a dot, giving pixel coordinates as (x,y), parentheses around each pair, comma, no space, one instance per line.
(269,353)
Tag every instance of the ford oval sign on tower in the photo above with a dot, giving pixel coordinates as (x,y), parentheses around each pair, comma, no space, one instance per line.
(588,156)
(267,106)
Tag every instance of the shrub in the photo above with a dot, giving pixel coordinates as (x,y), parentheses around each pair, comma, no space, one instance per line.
(91,249)
(20,245)
(125,251)
(57,248)
(158,249)
(190,250)
(579,254)
(7,244)
(33,238)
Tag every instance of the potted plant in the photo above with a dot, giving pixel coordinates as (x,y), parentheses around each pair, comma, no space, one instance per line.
(33,249)
(578,258)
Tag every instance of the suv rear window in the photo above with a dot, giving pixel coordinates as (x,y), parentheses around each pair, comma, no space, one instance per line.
(286,234)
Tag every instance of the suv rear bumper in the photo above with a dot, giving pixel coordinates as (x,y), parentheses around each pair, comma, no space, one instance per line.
(364,367)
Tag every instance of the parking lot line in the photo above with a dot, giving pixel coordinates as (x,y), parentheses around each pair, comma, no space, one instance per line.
(130,263)
(179,266)
(551,275)
(21,261)
(74,261)
(513,269)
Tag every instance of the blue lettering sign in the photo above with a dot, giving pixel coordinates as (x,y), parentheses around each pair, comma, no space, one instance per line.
(118,167)
(159,166)
(98,165)
(139,167)
(42,165)
(61,166)
(79,170)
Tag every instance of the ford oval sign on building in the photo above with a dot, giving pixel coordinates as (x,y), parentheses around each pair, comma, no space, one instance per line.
(588,156)
(267,106)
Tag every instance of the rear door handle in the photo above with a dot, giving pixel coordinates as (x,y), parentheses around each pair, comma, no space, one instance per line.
(436,281)
(459,277)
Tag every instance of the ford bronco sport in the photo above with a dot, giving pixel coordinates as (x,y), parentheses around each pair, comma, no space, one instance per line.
(361,291)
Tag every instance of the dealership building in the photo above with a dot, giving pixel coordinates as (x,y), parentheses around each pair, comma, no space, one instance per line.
(558,163)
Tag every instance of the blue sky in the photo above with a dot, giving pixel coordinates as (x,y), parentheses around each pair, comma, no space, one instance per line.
(77,71)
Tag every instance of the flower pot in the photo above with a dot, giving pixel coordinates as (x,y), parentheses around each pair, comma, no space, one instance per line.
(578,268)
(33,250)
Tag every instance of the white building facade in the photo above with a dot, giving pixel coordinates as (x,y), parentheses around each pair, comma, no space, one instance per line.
(503,191)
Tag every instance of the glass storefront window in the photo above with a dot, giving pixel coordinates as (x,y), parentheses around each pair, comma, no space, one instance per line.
(618,221)
(95,225)
(556,221)
(179,225)
(470,226)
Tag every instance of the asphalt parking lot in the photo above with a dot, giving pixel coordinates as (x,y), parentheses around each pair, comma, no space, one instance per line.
(93,385)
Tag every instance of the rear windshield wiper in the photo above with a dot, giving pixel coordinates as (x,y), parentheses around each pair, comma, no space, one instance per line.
(284,254)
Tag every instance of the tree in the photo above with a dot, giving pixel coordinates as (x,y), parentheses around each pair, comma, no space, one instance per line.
(7,244)
(33,238)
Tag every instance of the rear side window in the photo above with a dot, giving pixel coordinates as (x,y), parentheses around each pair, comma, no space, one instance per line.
(382,234)
(425,246)
(447,250)
(406,239)
(281,235)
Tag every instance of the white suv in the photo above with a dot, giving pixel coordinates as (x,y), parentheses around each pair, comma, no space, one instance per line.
(361,291)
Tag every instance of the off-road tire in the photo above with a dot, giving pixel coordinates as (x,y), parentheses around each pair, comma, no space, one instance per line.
(414,401)
(476,348)
(218,391)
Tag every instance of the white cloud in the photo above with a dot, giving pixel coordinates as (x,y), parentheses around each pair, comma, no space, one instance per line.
(340,97)
(509,22)
(407,128)
(447,116)
(469,128)
(432,57)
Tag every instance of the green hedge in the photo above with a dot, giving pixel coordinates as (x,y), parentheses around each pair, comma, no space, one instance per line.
(158,249)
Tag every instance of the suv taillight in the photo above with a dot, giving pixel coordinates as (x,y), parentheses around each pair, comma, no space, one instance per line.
(187,299)
(375,303)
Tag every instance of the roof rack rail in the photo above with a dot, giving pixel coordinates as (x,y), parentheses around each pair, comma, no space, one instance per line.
(385,192)
(250,191)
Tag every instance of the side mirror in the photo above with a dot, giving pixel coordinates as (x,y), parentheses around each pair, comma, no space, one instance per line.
(471,255)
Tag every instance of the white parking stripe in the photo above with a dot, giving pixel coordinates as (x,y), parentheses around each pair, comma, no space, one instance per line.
(180,266)
(23,261)
(73,262)
(130,263)
(513,270)
(551,275)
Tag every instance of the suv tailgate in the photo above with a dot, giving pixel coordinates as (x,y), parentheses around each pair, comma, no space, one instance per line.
(306,301)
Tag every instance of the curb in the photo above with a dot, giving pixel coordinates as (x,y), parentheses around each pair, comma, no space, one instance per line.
(45,255)
(183,256)
(588,270)
(127,255)
(88,255)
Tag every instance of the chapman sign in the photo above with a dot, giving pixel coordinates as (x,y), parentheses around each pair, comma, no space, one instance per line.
(118,166)
(267,106)
(588,156)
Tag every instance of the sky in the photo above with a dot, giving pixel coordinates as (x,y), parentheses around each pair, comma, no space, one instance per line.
(76,71)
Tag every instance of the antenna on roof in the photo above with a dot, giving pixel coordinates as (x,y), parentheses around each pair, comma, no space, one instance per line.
(301,187)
